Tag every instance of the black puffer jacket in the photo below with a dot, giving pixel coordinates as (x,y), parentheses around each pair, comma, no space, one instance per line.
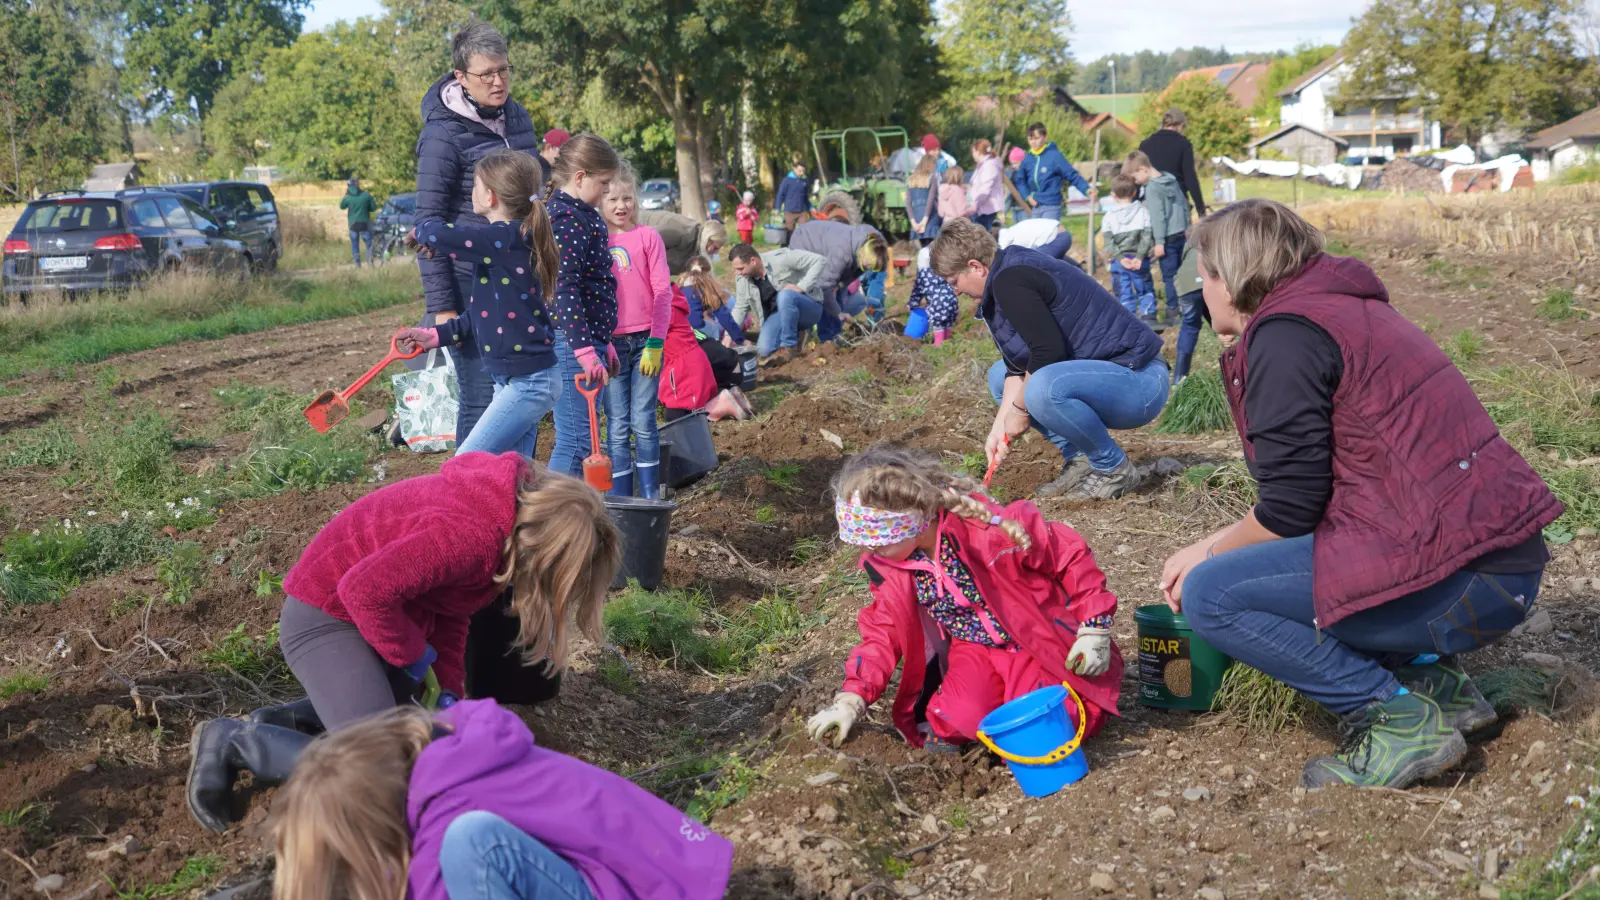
(447,152)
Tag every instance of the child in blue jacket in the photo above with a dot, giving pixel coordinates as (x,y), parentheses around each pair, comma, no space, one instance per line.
(1039,177)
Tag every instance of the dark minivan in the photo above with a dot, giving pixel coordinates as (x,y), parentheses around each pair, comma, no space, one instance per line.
(76,241)
(247,211)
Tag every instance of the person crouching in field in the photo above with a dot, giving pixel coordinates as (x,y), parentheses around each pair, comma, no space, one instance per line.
(466,805)
(1395,527)
(1012,603)
(382,596)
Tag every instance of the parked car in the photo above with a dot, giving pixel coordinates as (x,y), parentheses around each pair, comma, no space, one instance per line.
(248,211)
(77,241)
(399,213)
(659,193)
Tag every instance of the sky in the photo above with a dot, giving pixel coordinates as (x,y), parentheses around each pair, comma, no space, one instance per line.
(1126,26)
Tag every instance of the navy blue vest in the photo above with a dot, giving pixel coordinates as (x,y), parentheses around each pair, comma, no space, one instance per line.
(1094,324)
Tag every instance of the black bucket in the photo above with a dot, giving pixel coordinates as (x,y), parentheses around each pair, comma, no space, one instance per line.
(693,453)
(644,525)
(748,364)
(494,663)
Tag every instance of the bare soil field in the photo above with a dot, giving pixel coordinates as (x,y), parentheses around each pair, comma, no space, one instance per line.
(100,689)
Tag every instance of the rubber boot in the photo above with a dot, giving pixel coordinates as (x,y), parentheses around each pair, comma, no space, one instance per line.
(223,748)
(622,483)
(1441,679)
(649,480)
(298,716)
(1393,744)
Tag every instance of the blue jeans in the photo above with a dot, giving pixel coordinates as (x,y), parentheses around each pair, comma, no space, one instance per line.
(1191,305)
(473,384)
(1073,403)
(1169,271)
(1133,287)
(355,245)
(850,304)
(986,220)
(631,408)
(1254,604)
(512,420)
(572,413)
(484,857)
(1058,246)
(1047,212)
(796,312)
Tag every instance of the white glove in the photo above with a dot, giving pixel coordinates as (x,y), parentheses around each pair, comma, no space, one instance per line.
(841,714)
(1090,655)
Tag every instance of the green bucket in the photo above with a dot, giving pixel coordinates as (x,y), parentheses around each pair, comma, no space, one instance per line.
(1176,669)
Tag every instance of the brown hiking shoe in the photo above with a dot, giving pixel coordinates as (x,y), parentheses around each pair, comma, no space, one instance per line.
(778,357)
(1072,475)
(1098,485)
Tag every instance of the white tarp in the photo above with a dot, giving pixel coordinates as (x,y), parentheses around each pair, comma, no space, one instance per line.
(1507,166)
(1335,174)
(902,161)
(1462,155)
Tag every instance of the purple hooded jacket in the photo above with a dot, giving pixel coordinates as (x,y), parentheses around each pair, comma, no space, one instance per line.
(627,842)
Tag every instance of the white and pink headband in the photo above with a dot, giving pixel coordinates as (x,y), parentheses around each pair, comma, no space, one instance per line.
(865,526)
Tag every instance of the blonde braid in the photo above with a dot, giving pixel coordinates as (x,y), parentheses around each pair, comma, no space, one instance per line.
(912,481)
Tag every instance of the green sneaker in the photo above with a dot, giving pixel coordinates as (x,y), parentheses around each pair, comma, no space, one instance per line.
(1443,682)
(1393,744)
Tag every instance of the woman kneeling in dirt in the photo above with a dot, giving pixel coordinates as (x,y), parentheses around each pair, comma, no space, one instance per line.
(377,608)
(1395,528)
(1073,361)
(982,603)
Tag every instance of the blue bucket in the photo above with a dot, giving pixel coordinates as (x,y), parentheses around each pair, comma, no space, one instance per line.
(1035,735)
(917,324)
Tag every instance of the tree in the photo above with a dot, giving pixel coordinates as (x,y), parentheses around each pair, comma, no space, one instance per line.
(326,107)
(1281,73)
(1217,126)
(1477,65)
(52,132)
(181,52)
(1001,48)
(1147,70)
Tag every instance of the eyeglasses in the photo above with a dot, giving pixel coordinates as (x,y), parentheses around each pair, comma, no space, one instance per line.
(501,74)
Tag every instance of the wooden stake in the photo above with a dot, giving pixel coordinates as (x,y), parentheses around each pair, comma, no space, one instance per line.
(1094,178)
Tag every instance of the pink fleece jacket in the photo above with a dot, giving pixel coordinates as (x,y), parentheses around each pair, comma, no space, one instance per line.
(644,285)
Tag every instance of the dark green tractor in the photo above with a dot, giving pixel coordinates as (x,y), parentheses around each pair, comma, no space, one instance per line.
(855,182)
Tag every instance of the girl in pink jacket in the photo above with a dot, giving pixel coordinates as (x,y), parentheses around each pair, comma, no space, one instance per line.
(987,603)
(986,194)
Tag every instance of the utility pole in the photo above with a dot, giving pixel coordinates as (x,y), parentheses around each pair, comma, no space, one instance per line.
(1113,62)
(1094,179)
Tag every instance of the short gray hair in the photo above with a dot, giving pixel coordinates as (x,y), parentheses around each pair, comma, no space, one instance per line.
(477,39)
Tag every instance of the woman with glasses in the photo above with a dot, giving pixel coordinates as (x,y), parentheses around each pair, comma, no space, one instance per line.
(466,114)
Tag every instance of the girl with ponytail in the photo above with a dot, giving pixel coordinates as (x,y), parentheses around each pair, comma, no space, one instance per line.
(515,269)
(982,603)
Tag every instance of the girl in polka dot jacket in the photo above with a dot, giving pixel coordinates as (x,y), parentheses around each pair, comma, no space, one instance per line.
(937,297)
(981,604)
(585,305)
(515,261)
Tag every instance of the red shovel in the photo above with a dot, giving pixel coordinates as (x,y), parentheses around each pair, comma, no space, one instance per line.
(989,475)
(597,466)
(330,408)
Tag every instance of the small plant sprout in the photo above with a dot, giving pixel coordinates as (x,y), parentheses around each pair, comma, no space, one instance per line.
(782,476)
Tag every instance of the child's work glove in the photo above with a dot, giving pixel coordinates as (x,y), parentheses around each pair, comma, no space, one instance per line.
(590,362)
(613,362)
(841,714)
(650,360)
(1090,655)
(418,670)
(426,338)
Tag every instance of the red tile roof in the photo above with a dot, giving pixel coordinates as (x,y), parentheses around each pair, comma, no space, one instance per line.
(1242,79)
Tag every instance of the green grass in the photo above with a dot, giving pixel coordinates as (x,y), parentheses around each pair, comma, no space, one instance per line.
(256,658)
(28,816)
(54,334)
(1259,702)
(680,627)
(1227,488)
(197,872)
(782,476)
(1565,873)
(766,515)
(284,452)
(703,784)
(1557,306)
(807,549)
(181,572)
(48,446)
(1464,346)
(1197,404)
(22,683)
(1283,190)
(1584,174)
(133,461)
(1551,416)
(42,565)
(615,673)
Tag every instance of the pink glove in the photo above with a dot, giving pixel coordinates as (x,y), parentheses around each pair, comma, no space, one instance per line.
(613,362)
(593,368)
(426,338)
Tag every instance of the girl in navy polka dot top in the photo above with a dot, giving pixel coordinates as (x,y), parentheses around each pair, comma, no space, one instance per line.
(515,268)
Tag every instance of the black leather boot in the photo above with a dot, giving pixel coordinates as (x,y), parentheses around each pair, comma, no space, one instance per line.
(223,748)
(298,716)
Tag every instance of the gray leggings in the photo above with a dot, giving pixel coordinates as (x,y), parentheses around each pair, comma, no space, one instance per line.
(344,677)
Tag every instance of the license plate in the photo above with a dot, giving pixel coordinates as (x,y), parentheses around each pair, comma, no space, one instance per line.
(63,263)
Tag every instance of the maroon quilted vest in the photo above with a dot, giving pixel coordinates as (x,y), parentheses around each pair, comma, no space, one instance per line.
(1423,483)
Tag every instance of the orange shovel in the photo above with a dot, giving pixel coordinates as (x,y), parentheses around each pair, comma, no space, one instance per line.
(330,408)
(989,475)
(596,466)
